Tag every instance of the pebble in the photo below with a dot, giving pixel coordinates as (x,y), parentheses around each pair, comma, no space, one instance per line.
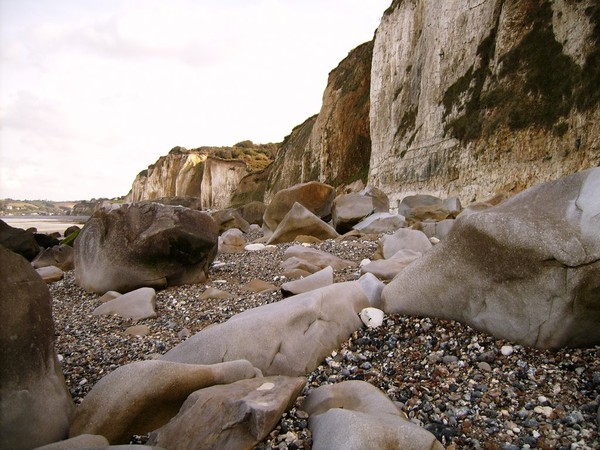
(507,350)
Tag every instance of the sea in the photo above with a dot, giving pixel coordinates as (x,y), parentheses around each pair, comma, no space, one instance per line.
(45,224)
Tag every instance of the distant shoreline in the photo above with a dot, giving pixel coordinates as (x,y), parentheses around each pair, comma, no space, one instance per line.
(45,224)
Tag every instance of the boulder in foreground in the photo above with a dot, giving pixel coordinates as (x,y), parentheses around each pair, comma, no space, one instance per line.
(526,270)
(146,245)
(233,416)
(35,405)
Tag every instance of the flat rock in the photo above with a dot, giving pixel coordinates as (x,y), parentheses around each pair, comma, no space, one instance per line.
(290,337)
(312,260)
(143,396)
(108,296)
(317,280)
(237,415)
(50,274)
(35,404)
(301,221)
(138,330)
(256,285)
(383,222)
(526,270)
(212,292)
(356,415)
(136,305)
(78,442)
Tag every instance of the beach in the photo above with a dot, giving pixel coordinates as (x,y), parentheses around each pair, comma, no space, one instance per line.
(45,224)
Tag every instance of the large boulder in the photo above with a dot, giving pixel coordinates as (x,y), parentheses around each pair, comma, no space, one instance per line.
(380,223)
(314,196)
(299,260)
(290,337)
(61,256)
(144,245)
(35,405)
(19,241)
(527,270)
(355,415)
(253,212)
(403,239)
(232,241)
(230,218)
(350,209)
(234,416)
(143,396)
(299,221)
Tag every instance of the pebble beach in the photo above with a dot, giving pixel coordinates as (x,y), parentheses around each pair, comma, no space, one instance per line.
(468,388)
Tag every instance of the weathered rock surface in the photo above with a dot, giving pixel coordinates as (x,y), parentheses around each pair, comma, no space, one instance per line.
(253,212)
(147,245)
(137,305)
(290,337)
(356,415)
(237,415)
(317,280)
(35,405)
(316,197)
(61,256)
(463,103)
(334,146)
(372,287)
(142,396)
(527,270)
(19,241)
(299,221)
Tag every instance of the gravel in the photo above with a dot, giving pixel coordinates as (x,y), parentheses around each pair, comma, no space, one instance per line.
(468,388)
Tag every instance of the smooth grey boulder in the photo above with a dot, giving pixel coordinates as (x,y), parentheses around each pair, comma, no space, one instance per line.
(526,270)
(137,305)
(233,416)
(61,256)
(146,245)
(317,280)
(403,239)
(314,196)
(355,415)
(140,397)
(253,212)
(35,405)
(299,221)
(382,222)
(290,337)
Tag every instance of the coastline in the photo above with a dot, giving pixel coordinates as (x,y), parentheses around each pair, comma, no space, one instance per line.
(45,224)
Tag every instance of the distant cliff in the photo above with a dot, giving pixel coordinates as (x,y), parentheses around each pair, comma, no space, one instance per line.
(208,173)
(472,97)
(335,145)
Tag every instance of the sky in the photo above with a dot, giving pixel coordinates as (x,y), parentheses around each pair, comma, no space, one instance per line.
(93,91)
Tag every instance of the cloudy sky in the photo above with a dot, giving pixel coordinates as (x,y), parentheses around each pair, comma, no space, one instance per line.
(93,91)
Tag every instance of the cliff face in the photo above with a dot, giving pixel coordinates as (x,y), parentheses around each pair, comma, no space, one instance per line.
(333,147)
(211,174)
(472,97)
(178,174)
(219,181)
